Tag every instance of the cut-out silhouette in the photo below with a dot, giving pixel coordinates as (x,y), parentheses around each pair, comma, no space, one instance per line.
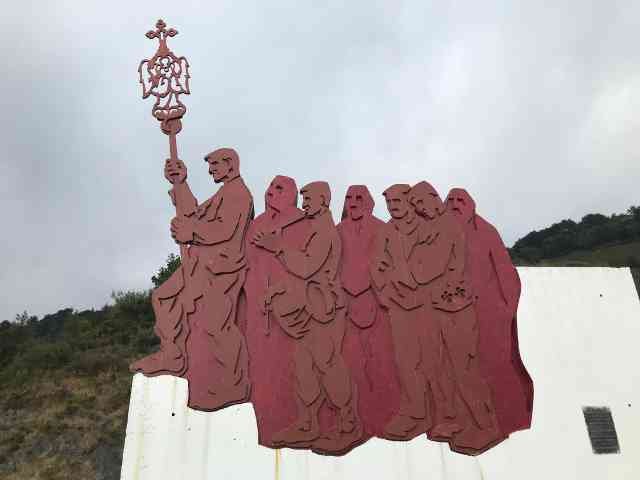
(439,267)
(397,290)
(362,329)
(365,329)
(496,285)
(309,306)
(368,347)
(270,348)
(196,308)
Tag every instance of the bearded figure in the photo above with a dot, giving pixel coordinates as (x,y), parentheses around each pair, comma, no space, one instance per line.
(496,284)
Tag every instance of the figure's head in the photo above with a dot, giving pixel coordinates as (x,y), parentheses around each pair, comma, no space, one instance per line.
(316,197)
(460,203)
(224,164)
(426,201)
(281,193)
(357,202)
(397,198)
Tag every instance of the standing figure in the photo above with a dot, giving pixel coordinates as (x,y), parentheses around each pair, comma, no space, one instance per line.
(449,311)
(196,307)
(368,348)
(270,349)
(309,306)
(398,292)
(497,287)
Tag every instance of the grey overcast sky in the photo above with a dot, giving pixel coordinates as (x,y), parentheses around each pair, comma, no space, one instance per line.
(532,106)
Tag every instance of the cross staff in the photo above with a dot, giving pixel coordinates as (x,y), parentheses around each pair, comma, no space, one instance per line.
(165,77)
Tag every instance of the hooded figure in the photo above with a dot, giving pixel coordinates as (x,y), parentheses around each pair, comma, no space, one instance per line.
(309,306)
(496,285)
(368,348)
(270,350)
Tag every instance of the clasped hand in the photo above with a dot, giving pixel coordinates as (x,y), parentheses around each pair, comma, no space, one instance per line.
(268,241)
(182,229)
(175,171)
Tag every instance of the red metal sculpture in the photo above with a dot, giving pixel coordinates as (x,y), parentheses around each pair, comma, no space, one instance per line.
(335,333)
(270,348)
(368,348)
(497,285)
(196,309)
(309,305)
(441,267)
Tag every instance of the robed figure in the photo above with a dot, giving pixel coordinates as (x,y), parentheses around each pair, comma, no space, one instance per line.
(309,306)
(465,414)
(270,349)
(196,308)
(368,347)
(497,287)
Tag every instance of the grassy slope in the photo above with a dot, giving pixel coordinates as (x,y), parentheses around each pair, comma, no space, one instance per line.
(606,256)
(64,397)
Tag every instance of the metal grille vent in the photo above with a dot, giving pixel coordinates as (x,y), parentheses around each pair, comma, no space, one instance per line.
(602,431)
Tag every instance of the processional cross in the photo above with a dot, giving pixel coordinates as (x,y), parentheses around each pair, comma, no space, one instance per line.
(165,77)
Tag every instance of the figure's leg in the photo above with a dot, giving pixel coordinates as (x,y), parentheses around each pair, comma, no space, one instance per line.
(170,327)
(461,340)
(227,381)
(461,337)
(309,398)
(327,356)
(337,383)
(439,374)
(406,342)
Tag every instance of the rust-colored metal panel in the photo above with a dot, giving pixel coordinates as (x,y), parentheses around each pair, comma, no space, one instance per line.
(335,333)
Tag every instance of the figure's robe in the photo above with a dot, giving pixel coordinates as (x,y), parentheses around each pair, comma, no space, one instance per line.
(216,349)
(196,308)
(270,349)
(368,347)
(497,286)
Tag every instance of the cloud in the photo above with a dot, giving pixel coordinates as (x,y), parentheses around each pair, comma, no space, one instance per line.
(531,108)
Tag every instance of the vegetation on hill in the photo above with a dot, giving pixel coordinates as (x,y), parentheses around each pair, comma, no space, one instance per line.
(65,379)
(65,388)
(593,233)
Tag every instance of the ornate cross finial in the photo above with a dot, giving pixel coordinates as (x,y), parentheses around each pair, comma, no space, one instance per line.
(161,33)
(165,76)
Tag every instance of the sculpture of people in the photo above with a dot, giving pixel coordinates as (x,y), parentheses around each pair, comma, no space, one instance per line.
(449,313)
(368,348)
(196,308)
(496,285)
(396,289)
(309,305)
(270,349)
(367,328)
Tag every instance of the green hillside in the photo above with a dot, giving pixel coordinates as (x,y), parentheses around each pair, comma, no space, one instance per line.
(617,255)
(65,381)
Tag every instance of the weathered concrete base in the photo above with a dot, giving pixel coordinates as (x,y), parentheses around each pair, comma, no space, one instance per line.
(579,332)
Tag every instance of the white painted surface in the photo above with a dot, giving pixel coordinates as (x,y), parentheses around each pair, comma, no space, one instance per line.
(579,330)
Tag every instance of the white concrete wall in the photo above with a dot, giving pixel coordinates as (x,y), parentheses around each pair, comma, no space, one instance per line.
(579,333)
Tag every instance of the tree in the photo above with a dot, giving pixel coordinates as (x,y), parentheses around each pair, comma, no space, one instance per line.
(172,264)
(634,212)
(593,219)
